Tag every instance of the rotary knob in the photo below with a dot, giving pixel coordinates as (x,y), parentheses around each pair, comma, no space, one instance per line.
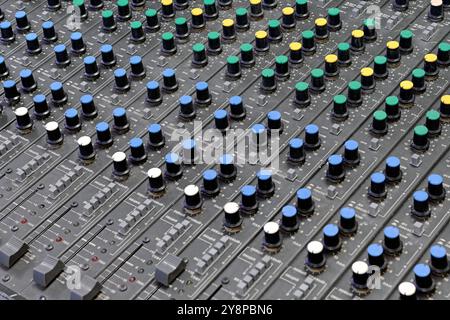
(232,218)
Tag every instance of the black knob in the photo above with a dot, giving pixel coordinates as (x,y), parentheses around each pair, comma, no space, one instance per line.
(357,41)
(433,123)
(296,151)
(268,82)
(315,259)
(190,151)
(221,119)
(120,164)
(321,29)
(91,71)
(121,82)
(156,183)
(227,170)
(237,109)
(202,95)
(380,67)
(108,20)
(137,32)
(88,108)
(256,11)
(369,29)
(436,11)
(289,221)
(430,65)
(334,22)
(136,4)
(4,71)
(72,120)
(305,202)
(420,141)
(86,150)
(137,150)
(438,260)
(104,137)
(406,41)
(233,71)
(23,120)
(379,123)
(49,33)
(295,53)
(211,11)
(232,218)
(377,188)
(367,79)
(331,239)
(269,4)
(41,109)
(199,57)
(444,54)
(444,107)
(418,80)
(197,18)
(435,187)
(392,243)
(54,5)
(392,169)
(392,108)
(152,20)
(6,32)
(120,124)
(344,58)
(137,68)
(12,95)
(406,95)
(78,46)
(301,9)
(331,66)
(308,42)
(261,41)
(274,122)
(317,81)
(214,45)
(27,79)
(274,35)
(80,9)
(351,153)
(247,55)
(59,96)
(170,83)
(22,23)
(422,276)
(249,204)
(62,57)
(335,172)
(282,67)
(33,46)
(265,187)
(375,255)
(312,139)
(181,32)
(228,30)
(302,98)
(187,111)
(192,199)
(393,52)
(54,136)
(108,57)
(123,10)
(354,96)
(167,9)
(242,22)
(272,237)
(400,5)
(153,93)
(210,183)
(155,136)
(347,221)
(421,205)
(339,111)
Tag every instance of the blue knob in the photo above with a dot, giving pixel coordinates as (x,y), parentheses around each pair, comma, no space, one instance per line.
(392,243)
(156,138)
(392,171)
(62,57)
(296,151)
(221,119)
(41,109)
(237,110)
(121,124)
(88,108)
(104,137)
(22,23)
(6,32)
(33,46)
(249,204)
(72,120)
(312,139)
(377,189)
(274,121)
(203,97)
(49,33)
(27,80)
(375,254)
(347,221)
(137,150)
(170,83)
(289,221)
(210,183)
(108,57)
(121,83)
(91,71)
(12,95)
(259,137)
(305,202)
(351,153)
(265,187)
(4,71)
(153,93)
(77,42)
(335,172)
(423,279)
(189,151)
(435,187)
(173,166)
(421,207)
(187,111)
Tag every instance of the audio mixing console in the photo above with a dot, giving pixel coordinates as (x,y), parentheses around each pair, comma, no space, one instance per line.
(224,149)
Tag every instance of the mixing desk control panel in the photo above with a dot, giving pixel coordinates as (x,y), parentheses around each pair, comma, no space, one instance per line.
(224,149)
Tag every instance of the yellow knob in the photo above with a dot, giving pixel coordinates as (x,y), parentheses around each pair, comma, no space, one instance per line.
(331,58)
(295,46)
(320,22)
(287,11)
(357,33)
(445,99)
(430,57)
(366,72)
(392,45)
(166,2)
(261,34)
(406,85)
(227,23)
